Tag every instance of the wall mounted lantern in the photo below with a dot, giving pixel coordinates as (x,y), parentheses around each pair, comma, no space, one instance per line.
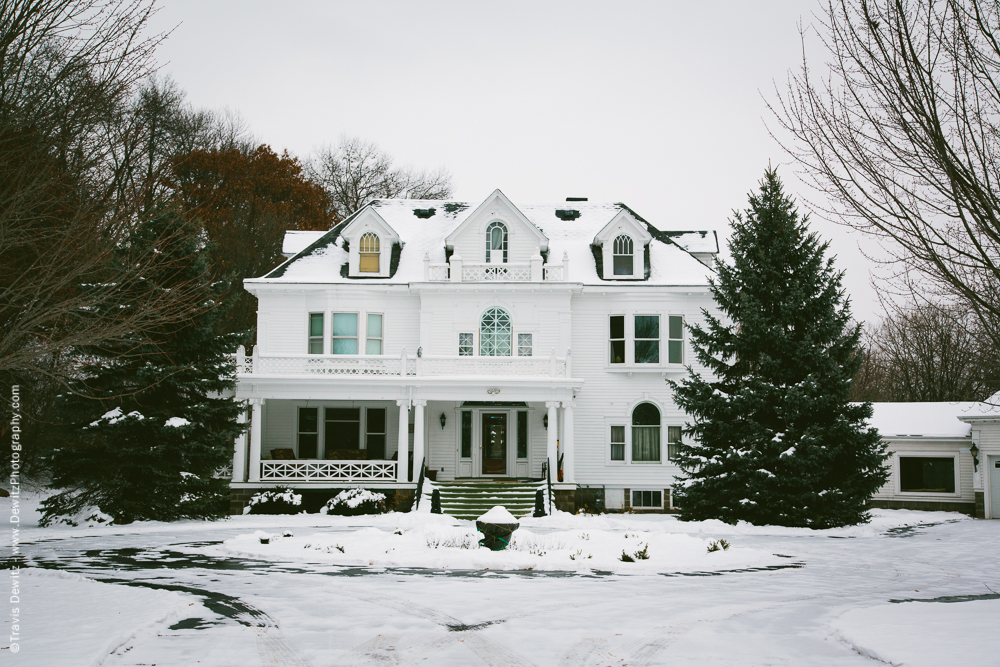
(974,450)
(545,421)
(443,419)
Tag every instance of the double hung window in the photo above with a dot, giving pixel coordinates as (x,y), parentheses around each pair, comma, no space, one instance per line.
(673,440)
(617,349)
(647,339)
(617,443)
(345,333)
(308,434)
(675,341)
(622,261)
(375,432)
(342,430)
(373,343)
(315,333)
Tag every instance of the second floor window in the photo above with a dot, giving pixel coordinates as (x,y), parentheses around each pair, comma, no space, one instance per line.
(622,256)
(618,339)
(315,333)
(494,334)
(466,345)
(368,252)
(675,343)
(496,243)
(345,333)
(524,345)
(373,344)
(647,339)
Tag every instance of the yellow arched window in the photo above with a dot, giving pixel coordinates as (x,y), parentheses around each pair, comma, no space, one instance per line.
(368,249)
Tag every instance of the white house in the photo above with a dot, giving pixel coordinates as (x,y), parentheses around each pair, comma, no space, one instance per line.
(490,340)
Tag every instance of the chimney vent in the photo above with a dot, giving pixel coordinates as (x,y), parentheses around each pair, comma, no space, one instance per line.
(576,199)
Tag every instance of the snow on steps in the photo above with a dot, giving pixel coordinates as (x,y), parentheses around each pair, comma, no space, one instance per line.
(471,499)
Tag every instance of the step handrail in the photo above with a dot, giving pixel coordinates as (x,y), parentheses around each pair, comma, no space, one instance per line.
(420,486)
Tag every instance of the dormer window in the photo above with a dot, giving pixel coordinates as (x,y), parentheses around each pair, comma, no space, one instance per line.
(496,243)
(623,256)
(368,253)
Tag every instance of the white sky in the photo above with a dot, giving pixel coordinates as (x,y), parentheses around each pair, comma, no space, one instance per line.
(660,105)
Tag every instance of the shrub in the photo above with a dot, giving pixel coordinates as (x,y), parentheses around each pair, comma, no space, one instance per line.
(354,502)
(278,501)
(718,545)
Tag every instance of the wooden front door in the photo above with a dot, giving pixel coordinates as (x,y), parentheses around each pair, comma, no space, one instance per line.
(494,443)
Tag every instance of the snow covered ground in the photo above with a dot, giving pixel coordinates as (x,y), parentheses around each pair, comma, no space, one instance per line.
(911,588)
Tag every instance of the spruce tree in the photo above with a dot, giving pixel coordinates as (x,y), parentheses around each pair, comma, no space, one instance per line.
(775,438)
(165,420)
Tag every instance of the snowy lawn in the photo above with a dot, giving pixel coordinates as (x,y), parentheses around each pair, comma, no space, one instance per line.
(910,588)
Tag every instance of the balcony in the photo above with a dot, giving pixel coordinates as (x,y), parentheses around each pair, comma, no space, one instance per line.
(311,365)
(465,272)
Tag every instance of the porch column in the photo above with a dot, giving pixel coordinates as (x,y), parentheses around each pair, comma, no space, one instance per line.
(240,450)
(403,445)
(552,436)
(567,442)
(418,436)
(255,418)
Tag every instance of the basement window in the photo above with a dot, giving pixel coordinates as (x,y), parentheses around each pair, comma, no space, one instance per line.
(647,499)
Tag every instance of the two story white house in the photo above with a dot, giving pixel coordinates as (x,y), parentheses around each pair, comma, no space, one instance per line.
(488,340)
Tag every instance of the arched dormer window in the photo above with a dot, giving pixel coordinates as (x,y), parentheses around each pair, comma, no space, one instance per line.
(495,333)
(496,243)
(623,255)
(645,433)
(368,252)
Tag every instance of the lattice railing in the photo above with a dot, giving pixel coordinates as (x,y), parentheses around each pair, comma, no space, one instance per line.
(496,272)
(327,471)
(389,366)
(518,366)
(335,364)
(554,272)
(438,272)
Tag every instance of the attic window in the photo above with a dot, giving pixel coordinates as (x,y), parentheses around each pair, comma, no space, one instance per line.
(423,212)
(567,214)
(368,253)
(622,256)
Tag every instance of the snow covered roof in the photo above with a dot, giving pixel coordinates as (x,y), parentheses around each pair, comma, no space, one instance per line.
(320,259)
(988,409)
(296,242)
(925,420)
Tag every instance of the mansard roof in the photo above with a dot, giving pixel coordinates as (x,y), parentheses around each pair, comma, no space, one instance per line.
(423,226)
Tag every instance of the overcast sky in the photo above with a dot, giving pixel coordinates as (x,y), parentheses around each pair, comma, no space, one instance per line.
(660,105)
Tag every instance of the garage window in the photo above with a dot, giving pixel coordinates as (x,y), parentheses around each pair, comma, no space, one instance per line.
(926,474)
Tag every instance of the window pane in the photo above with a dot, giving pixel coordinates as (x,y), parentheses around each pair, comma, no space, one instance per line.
(676,326)
(522,435)
(375,422)
(623,265)
(373,346)
(345,324)
(494,334)
(375,444)
(374,326)
(316,324)
(465,345)
(618,352)
(316,346)
(617,434)
(675,349)
(307,420)
(926,474)
(524,345)
(307,445)
(673,440)
(343,414)
(618,451)
(656,498)
(618,326)
(368,262)
(647,351)
(645,443)
(345,346)
(342,430)
(466,434)
(647,326)
(646,414)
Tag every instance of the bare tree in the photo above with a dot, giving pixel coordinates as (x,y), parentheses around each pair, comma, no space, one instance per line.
(902,139)
(71,275)
(357,171)
(928,352)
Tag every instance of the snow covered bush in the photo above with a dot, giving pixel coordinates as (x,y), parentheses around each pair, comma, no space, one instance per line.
(278,501)
(354,502)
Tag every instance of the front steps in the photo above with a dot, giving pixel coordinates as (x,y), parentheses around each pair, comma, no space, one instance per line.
(471,499)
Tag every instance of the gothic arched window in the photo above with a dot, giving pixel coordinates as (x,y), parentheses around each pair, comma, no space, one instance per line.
(494,334)
(368,250)
(496,242)
(622,253)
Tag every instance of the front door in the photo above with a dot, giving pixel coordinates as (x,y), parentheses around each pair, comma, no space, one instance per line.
(494,443)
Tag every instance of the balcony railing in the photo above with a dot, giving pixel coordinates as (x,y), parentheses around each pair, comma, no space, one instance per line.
(457,270)
(327,471)
(400,366)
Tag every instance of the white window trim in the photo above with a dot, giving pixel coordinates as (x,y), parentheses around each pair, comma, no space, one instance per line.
(609,422)
(298,430)
(475,343)
(608,339)
(517,345)
(357,335)
(626,420)
(381,337)
(630,365)
(659,341)
(309,336)
(647,488)
(927,455)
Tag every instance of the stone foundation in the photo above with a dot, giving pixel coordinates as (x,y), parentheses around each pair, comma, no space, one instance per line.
(565,500)
(981,505)
(972,509)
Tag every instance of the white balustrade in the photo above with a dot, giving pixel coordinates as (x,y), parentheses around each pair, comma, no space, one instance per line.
(389,366)
(328,471)
(459,271)
(553,272)
(437,272)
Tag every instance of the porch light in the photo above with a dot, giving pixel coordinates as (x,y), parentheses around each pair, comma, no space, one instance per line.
(444,420)
(974,450)
(545,420)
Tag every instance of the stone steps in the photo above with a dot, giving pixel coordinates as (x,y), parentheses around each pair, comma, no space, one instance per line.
(470,500)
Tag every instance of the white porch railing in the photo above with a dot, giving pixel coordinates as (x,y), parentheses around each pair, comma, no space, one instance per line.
(456,270)
(327,471)
(402,365)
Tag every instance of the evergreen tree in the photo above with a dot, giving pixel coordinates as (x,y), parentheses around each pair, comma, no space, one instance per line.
(165,421)
(776,440)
